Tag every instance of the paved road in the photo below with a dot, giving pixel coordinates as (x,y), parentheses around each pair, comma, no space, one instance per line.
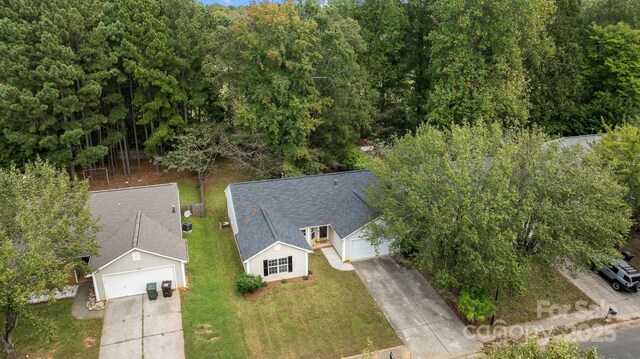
(135,327)
(625,346)
(416,312)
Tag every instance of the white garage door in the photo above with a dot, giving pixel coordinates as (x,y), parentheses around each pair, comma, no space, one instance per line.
(361,248)
(131,283)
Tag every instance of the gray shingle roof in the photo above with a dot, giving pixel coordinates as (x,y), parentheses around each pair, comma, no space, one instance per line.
(265,229)
(298,202)
(141,217)
(587,141)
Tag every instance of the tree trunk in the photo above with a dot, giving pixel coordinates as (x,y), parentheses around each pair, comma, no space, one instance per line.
(186,118)
(11,320)
(133,121)
(155,150)
(124,165)
(125,143)
(493,317)
(201,187)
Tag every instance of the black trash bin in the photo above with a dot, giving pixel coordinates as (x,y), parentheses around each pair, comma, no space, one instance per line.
(187,227)
(166,288)
(151,291)
(627,255)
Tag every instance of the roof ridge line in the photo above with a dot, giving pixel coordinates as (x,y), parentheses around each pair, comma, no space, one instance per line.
(136,230)
(299,177)
(268,220)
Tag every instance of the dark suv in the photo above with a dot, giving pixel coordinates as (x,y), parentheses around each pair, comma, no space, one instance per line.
(622,275)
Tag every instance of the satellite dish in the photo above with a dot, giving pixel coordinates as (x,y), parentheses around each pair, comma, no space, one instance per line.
(187,213)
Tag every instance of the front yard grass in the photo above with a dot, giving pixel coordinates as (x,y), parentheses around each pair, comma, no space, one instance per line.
(330,315)
(74,338)
(555,289)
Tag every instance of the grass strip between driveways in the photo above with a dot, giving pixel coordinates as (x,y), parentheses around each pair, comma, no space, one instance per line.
(328,316)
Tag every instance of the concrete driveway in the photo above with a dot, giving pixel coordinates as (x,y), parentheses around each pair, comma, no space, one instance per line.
(135,327)
(421,318)
(600,291)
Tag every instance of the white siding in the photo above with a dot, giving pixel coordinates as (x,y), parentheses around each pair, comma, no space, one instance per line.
(127,264)
(335,239)
(299,258)
(231,211)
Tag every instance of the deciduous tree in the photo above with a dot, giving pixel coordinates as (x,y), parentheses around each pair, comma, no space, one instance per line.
(45,226)
(620,149)
(476,205)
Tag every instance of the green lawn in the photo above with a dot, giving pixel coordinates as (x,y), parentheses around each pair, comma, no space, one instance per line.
(522,307)
(209,316)
(189,193)
(329,316)
(307,319)
(74,339)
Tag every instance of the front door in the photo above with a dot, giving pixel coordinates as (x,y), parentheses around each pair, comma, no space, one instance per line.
(323,232)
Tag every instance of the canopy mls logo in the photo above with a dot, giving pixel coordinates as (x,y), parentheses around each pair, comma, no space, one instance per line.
(583,320)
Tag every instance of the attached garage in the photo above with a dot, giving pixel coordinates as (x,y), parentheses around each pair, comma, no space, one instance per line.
(131,283)
(359,247)
(362,248)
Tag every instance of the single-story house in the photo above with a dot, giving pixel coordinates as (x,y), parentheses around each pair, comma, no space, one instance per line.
(275,222)
(140,240)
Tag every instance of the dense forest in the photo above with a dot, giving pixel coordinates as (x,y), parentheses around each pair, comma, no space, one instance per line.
(288,88)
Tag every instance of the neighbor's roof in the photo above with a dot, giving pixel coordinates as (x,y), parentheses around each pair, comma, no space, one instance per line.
(586,141)
(275,210)
(138,217)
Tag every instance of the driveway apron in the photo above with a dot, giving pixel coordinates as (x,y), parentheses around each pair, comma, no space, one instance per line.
(135,327)
(416,312)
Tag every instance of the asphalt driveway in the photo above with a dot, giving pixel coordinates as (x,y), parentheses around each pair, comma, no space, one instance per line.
(135,327)
(416,312)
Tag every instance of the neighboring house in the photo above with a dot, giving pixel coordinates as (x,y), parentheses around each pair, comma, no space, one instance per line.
(587,141)
(140,238)
(365,146)
(275,222)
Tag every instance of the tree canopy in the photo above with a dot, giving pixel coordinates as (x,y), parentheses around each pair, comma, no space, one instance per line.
(476,204)
(45,228)
(620,149)
(111,83)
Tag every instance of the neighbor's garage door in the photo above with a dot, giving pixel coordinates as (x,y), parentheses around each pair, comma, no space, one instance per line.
(361,248)
(131,283)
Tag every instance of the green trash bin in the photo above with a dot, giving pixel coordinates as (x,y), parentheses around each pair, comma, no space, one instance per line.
(151,291)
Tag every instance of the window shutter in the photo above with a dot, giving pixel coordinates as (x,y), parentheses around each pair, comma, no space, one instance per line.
(265,265)
(290,264)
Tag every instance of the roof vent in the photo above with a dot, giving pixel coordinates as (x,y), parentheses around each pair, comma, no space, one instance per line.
(173,208)
(335,182)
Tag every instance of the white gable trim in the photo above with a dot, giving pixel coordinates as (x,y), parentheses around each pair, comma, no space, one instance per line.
(357,230)
(231,210)
(273,244)
(95,287)
(141,250)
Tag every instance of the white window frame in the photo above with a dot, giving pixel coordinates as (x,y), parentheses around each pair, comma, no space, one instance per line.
(277,265)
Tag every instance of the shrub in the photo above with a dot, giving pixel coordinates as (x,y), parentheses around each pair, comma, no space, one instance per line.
(283,281)
(247,283)
(476,305)
(305,277)
(531,349)
(309,271)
